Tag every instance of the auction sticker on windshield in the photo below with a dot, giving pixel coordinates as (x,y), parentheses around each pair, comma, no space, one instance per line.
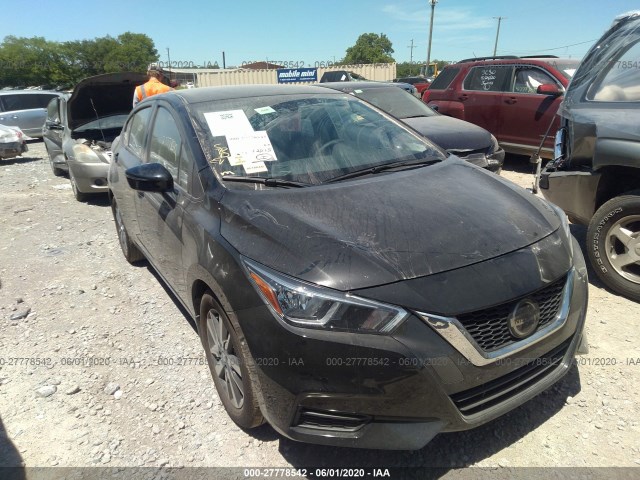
(230,122)
(249,148)
(255,167)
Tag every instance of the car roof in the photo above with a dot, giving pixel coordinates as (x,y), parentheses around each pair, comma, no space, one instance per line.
(357,85)
(206,94)
(514,60)
(29,92)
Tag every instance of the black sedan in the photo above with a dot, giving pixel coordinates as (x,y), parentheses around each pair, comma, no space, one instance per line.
(463,139)
(352,283)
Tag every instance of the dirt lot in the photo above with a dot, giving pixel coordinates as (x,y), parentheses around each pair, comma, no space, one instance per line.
(90,375)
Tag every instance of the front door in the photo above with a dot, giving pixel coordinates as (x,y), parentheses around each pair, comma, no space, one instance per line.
(160,215)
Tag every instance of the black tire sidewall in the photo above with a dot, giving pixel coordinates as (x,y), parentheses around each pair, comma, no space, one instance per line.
(248,416)
(607,216)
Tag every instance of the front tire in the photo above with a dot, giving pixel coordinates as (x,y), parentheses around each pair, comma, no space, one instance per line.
(613,244)
(227,358)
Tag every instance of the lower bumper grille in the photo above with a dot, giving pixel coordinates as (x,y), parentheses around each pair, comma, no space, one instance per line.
(335,421)
(497,391)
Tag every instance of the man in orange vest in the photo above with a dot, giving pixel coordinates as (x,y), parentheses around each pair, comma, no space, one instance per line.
(153,87)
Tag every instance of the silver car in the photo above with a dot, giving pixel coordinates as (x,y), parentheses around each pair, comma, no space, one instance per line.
(80,128)
(25,109)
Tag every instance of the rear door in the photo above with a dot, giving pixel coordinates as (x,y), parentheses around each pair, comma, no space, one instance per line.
(526,115)
(131,152)
(481,94)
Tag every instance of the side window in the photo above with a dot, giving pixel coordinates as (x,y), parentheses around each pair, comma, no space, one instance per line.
(445,78)
(488,78)
(528,79)
(136,130)
(14,102)
(53,111)
(41,100)
(621,82)
(166,142)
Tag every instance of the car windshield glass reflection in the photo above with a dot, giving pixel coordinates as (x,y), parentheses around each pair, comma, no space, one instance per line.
(303,138)
(104,123)
(395,101)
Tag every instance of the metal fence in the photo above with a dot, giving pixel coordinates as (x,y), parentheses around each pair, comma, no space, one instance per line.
(213,78)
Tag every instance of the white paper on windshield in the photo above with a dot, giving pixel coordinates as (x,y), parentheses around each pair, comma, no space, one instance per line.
(264,110)
(249,148)
(230,122)
(254,167)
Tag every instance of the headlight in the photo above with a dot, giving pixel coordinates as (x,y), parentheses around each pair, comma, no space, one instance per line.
(559,143)
(306,305)
(84,154)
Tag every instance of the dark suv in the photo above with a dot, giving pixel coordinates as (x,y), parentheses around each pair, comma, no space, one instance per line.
(596,175)
(515,98)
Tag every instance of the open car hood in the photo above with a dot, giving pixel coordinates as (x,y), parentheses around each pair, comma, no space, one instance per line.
(108,94)
(387,227)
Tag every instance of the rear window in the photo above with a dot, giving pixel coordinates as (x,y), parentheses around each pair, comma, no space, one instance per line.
(487,78)
(445,78)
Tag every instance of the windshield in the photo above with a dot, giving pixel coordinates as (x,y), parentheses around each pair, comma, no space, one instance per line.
(395,101)
(309,138)
(104,123)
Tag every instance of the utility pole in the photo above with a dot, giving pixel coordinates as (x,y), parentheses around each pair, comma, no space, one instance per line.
(411,59)
(433,8)
(495,47)
(169,59)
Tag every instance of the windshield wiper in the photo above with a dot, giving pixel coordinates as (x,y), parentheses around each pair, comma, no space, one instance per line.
(385,167)
(269,182)
(418,116)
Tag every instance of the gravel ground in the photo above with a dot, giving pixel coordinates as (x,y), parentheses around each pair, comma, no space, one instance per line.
(90,346)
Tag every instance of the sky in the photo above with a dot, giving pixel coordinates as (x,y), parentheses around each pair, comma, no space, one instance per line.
(198,31)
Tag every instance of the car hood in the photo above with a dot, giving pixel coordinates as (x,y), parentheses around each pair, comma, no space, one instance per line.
(450,133)
(387,227)
(102,96)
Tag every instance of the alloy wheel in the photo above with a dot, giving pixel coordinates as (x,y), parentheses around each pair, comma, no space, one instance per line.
(227,363)
(622,247)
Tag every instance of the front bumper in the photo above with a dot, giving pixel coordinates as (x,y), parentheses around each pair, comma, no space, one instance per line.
(396,391)
(574,191)
(90,177)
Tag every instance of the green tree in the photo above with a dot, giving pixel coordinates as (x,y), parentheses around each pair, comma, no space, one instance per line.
(36,61)
(27,61)
(369,48)
(133,52)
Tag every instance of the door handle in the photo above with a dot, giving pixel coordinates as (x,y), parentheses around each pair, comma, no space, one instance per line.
(463,97)
(511,100)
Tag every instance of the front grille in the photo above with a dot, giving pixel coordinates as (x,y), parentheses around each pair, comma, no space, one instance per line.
(335,421)
(492,393)
(489,327)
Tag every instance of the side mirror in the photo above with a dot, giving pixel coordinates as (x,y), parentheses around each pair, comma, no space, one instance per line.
(549,89)
(149,177)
